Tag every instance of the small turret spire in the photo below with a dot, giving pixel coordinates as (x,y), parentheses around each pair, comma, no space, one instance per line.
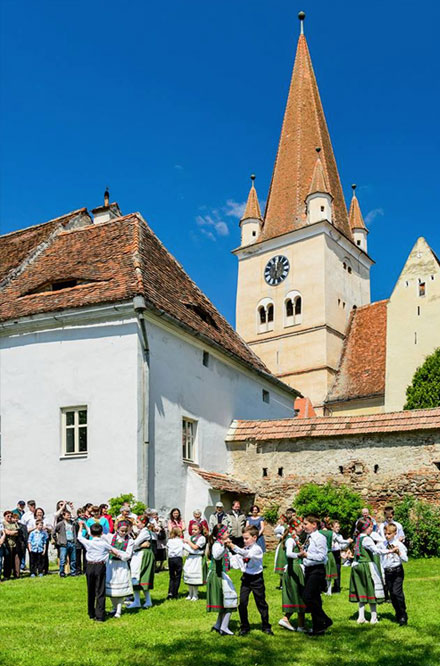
(252,210)
(355,216)
(301,17)
(319,180)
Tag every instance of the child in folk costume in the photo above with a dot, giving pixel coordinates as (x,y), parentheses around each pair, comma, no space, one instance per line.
(365,580)
(175,561)
(331,571)
(142,565)
(118,579)
(194,570)
(393,554)
(221,596)
(338,544)
(293,582)
(280,553)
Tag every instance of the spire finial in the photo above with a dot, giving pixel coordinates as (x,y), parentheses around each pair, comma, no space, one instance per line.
(353,187)
(301,17)
(106,197)
(252,178)
(318,150)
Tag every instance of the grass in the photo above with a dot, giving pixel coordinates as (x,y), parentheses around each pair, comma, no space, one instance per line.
(44,622)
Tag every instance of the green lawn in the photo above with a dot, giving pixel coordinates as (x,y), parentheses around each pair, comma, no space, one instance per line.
(43,622)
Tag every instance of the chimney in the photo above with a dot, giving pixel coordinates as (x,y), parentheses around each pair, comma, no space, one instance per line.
(108,211)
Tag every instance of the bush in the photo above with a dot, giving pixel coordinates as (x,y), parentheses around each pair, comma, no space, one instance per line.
(270,514)
(115,504)
(330,500)
(424,390)
(421,524)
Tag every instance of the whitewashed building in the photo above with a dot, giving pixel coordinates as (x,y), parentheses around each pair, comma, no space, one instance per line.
(117,374)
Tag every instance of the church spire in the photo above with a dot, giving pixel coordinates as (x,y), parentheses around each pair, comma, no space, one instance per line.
(252,220)
(304,128)
(357,224)
(319,181)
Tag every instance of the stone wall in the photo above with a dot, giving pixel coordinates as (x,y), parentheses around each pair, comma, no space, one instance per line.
(382,467)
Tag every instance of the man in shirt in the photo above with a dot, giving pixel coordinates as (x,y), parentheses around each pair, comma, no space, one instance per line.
(314,554)
(19,511)
(219,516)
(236,524)
(65,537)
(388,513)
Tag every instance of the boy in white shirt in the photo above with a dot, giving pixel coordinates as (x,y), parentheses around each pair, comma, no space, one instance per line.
(175,550)
(252,581)
(393,553)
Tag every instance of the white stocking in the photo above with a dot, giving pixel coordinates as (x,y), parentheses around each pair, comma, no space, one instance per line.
(148,603)
(373,614)
(195,592)
(225,624)
(361,615)
(218,624)
(329,588)
(137,600)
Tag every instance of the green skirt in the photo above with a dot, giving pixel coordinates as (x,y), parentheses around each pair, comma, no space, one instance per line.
(280,559)
(293,585)
(331,571)
(146,578)
(214,594)
(361,584)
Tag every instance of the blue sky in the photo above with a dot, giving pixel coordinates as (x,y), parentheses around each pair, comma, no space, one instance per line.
(174,105)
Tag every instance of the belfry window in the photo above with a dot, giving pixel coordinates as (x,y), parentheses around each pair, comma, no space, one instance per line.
(262,312)
(265,316)
(298,305)
(289,308)
(293,309)
(270,312)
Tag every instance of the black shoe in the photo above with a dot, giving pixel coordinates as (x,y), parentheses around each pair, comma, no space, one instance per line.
(403,621)
(244,632)
(62,575)
(316,632)
(99,619)
(215,629)
(328,623)
(268,631)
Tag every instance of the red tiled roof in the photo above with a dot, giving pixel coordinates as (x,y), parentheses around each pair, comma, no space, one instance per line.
(334,426)
(304,407)
(224,482)
(361,372)
(355,216)
(319,182)
(113,262)
(304,129)
(252,210)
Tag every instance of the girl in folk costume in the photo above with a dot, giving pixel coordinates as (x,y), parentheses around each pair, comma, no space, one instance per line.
(280,553)
(331,571)
(365,580)
(142,565)
(293,580)
(118,578)
(221,596)
(194,570)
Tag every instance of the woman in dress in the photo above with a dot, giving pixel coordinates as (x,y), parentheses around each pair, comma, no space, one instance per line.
(142,565)
(257,521)
(331,571)
(365,579)
(118,579)
(194,570)
(221,596)
(201,522)
(293,580)
(176,521)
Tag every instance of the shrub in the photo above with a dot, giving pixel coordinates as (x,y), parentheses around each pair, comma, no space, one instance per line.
(115,504)
(424,390)
(330,500)
(421,524)
(270,514)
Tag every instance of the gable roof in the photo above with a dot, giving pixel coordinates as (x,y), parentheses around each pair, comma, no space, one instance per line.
(361,371)
(112,262)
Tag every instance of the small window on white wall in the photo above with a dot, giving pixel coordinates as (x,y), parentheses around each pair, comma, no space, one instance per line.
(265,315)
(74,431)
(188,439)
(293,309)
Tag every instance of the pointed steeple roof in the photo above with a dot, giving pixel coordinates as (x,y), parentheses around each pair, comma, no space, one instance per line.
(319,181)
(252,210)
(355,215)
(304,128)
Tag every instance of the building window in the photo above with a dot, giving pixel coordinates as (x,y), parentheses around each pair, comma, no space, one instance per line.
(205,359)
(293,309)
(188,439)
(270,312)
(298,305)
(265,471)
(422,288)
(265,316)
(280,471)
(262,313)
(341,469)
(358,242)
(266,396)
(376,469)
(289,308)
(74,430)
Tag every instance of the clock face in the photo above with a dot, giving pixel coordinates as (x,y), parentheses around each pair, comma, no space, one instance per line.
(276,270)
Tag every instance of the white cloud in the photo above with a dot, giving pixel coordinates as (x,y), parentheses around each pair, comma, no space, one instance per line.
(371,216)
(234,208)
(178,167)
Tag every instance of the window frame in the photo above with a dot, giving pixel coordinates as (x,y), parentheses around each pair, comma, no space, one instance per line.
(75,427)
(187,421)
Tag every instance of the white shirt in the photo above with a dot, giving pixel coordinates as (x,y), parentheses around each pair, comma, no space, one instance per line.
(200,542)
(316,550)
(252,557)
(123,555)
(218,550)
(175,547)
(400,532)
(97,548)
(28,519)
(290,545)
(338,541)
(279,531)
(393,560)
(144,535)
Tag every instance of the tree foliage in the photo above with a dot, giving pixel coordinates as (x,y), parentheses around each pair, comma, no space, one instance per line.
(421,524)
(115,504)
(424,391)
(330,500)
(270,514)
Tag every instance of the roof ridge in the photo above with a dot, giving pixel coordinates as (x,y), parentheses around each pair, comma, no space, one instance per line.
(41,224)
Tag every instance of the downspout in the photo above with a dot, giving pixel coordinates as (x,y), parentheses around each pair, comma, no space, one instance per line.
(143,485)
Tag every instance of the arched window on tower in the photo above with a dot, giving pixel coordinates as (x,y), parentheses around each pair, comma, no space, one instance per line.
(293,309)
(265,315)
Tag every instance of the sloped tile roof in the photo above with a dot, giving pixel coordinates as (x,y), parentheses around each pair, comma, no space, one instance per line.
(252,210)
(334,426)
(361,371)
(224,482)
(113,262)
(355,216)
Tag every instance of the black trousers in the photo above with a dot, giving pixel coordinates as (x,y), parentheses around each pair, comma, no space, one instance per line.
(314,584)
(238,541)
(337,583)
(394,580)
(95,573)
(81,562)
(255,584)
(175,566)
(36,563)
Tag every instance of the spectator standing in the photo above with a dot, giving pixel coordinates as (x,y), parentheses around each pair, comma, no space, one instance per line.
(12,541)
(175,547)
(20,508)
(176,521)
(2,541)
(99,519)
(66,537)
(161,554)
(236,524)
(388,513)
(256,520)
(201,522)
(103,512)
(37,546)
(219,517)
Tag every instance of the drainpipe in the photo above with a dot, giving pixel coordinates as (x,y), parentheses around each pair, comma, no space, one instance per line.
(143,485)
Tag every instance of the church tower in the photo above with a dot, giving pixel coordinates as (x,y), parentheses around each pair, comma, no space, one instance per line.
(304,266)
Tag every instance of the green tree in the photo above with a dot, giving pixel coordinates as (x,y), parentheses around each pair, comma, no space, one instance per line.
(424,391)
(330,500)
(421,524)
(115,504)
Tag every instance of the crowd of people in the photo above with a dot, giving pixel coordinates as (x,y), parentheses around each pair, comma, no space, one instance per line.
(121,556)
